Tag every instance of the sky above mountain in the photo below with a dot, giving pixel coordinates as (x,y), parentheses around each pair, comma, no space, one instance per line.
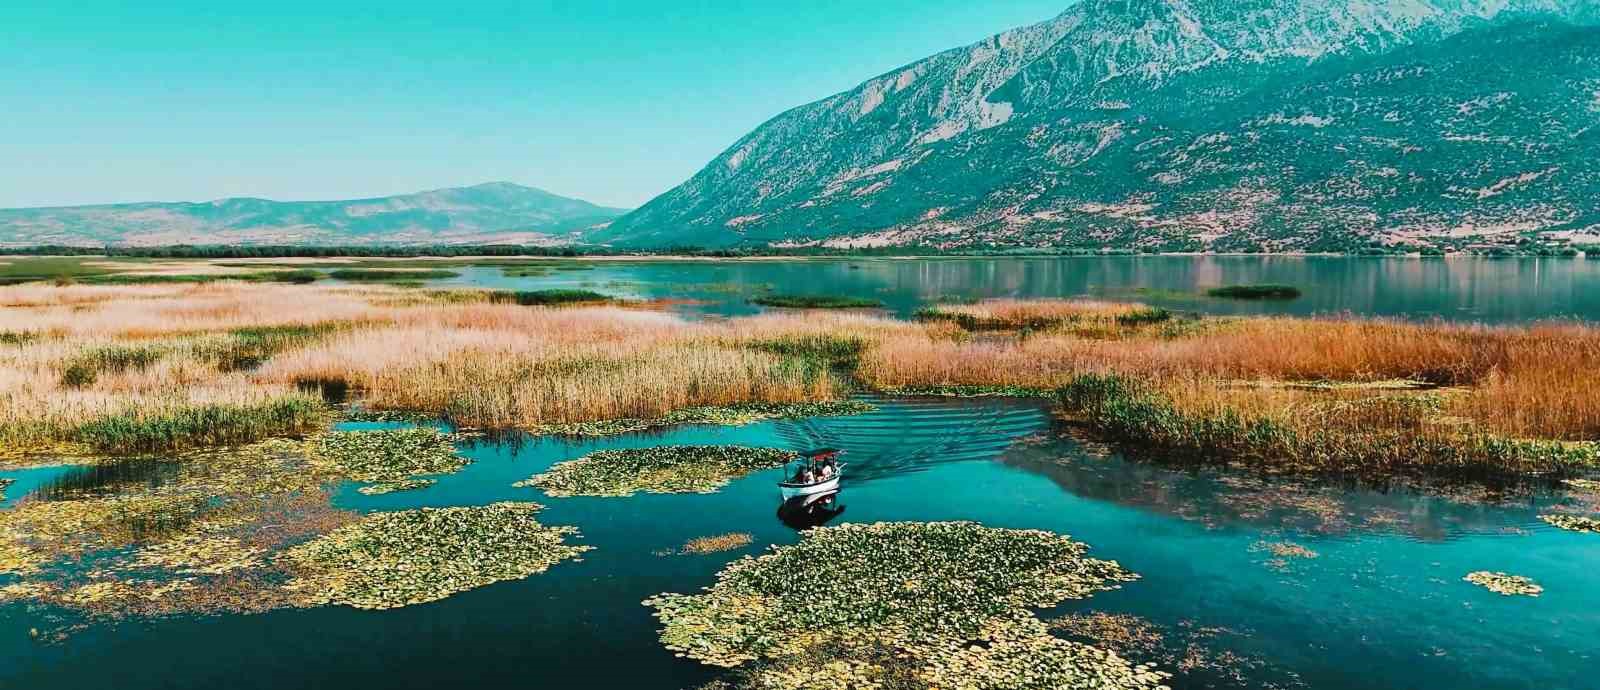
(613,102)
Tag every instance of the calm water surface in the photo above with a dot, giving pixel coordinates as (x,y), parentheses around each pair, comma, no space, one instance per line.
(1382,605)
(1456,288)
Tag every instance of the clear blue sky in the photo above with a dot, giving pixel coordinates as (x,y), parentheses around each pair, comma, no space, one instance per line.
(613,102)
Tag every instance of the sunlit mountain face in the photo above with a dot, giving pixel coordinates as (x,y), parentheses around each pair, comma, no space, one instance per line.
(1274,125)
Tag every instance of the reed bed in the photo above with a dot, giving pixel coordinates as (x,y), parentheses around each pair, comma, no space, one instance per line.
(1013,314)
(90,365)
(162,367)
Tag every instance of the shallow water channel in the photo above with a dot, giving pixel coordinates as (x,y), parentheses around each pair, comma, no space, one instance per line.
(1374,598)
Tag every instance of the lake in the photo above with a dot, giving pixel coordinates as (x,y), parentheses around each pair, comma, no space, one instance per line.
(1373,597)
(1453,288)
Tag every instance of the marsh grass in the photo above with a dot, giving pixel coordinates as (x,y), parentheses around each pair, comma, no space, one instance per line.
(250,346)
(1368,434)
(85,367)
(816,302)
(191,426)
(390,275)
(548,298)
(1012,315)
(298,277)
(823,348)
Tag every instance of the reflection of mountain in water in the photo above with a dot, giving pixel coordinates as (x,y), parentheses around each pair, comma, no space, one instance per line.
(1220,498)
(909,435)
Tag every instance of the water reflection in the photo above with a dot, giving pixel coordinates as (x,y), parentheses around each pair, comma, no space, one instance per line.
(805,512)
(105,478)
(1228,499)
(1457,288)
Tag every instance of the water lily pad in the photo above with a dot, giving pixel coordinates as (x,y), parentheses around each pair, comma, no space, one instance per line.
(1501,583)
(389,560)
(387,454)
(661,469)
(947,603)
(1576,523)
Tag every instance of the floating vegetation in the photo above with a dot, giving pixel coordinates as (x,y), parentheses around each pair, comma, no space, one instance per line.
(387,455)
(1257,291)
(1575,523)
(948,600)
(4,482)
(1501,583)
(198,541)
(658,470)
(1282,552)
(1583,484)
(1189,648)
(390,487)
(700,546)
(196,554)
(721,415)
(389,560)
(816,302)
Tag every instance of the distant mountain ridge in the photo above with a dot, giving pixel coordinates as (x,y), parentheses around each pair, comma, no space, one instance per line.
(1184,125)
(495,212)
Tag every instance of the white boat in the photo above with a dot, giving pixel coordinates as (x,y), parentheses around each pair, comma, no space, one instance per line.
(817,476)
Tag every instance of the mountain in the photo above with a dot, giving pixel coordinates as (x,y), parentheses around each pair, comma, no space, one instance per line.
(487,213)
(1185,125)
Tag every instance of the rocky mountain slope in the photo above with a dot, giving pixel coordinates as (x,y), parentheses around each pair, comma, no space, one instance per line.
(486,213)
(1185,125)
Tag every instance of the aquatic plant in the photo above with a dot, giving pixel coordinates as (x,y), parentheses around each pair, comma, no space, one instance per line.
(1256,291)
(1501,583)
(386,455)
(721,415)
(5,482)
(390,275)
(390,560)
(146,431)
(660,470)
(1371,435)
(1576,523)
(717,543)
(550,298)
(824,348)
(397,485)
(816,302)
(970,391)
(1188,648)
(950,600)
(82,369)
(1011,315)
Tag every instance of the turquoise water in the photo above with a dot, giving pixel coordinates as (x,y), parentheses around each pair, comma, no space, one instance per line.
(1455,288)
(1382,605)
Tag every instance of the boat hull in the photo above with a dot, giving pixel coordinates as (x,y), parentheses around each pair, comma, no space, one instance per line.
(818,489)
